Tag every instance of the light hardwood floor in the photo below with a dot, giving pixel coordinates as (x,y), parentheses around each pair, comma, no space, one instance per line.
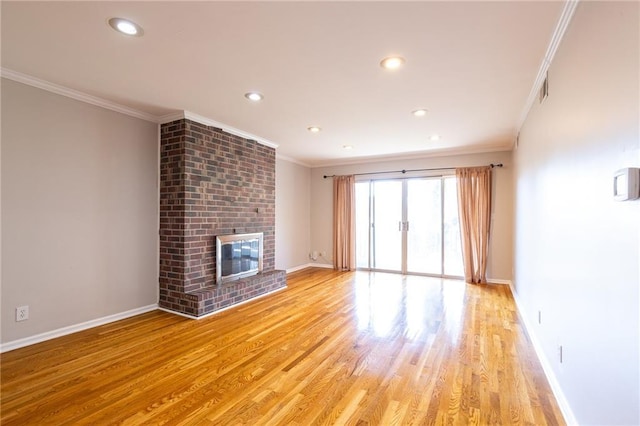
(334,348)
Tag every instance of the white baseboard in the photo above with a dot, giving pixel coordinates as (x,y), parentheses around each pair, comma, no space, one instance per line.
(498,281)
(235,305)
(20,343)
(32,340)
(330,266)
(321,265)
(309,265)
(565,408)
(298,268)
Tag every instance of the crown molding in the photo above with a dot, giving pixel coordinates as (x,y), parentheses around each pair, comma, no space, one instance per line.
(415,156)
(168,118)
(554,43)
(209,122)
(113,106)
(292,160)
(213,123)
(74,94)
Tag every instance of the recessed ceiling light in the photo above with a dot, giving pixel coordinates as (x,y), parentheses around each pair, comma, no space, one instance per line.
(347,146)
(419,112)
(314,129)
(434,138)
(126,27)
(254,96)
(392,62)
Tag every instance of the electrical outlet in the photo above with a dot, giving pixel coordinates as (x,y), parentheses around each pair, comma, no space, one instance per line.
(22,313)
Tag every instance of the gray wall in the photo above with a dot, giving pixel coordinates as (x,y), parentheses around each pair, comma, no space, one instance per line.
(577,251)
(293,214)
(79,211)
(500,250)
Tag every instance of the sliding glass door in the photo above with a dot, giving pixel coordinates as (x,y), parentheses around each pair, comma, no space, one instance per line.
(451,239)
(408,226)
(387,220)
(424,223)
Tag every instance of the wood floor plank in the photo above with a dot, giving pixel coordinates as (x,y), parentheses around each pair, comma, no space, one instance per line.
(333,348)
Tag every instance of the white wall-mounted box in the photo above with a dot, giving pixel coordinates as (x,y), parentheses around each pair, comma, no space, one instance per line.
(626,184)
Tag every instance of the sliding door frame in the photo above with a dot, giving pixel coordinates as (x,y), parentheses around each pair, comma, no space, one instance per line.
(405,226)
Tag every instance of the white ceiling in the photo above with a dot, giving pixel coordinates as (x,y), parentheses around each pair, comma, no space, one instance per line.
(471,64)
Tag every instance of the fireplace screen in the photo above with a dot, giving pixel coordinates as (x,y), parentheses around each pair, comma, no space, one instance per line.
(238,256)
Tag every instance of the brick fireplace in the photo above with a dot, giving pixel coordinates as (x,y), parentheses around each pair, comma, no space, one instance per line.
(212,183)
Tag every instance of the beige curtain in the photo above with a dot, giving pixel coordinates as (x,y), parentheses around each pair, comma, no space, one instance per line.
(344,229)
(474,205)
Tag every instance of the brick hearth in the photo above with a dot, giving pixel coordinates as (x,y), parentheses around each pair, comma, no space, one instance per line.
(212,183)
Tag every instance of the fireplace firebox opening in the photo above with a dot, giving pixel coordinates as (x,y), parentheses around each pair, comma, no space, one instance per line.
(238,256)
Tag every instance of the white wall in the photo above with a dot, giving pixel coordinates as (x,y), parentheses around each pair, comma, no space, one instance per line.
(577,251)
(79,211)
(292,214)
(500,250)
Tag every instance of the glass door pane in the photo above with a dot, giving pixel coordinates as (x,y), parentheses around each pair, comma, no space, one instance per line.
(424,236)
(362,224)
(452,242)
(387,216)
(409,226)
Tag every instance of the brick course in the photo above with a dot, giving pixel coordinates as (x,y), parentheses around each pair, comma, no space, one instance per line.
(212,183)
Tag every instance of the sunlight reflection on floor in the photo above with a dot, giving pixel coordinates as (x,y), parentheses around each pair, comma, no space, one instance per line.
(387,304)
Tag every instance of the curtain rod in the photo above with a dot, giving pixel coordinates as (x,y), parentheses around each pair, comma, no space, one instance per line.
(492,165)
